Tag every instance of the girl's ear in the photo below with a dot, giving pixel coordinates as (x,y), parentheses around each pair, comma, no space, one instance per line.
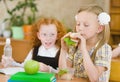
(38,35)
(100,29)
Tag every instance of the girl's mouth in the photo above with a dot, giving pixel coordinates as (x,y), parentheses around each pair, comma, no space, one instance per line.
(48,43)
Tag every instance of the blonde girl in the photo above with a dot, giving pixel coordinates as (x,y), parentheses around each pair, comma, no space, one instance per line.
(91,57)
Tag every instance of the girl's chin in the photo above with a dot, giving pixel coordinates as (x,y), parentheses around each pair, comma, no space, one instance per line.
(47,47)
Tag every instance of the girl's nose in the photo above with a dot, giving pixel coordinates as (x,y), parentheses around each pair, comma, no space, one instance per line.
(48,39)
(80,28)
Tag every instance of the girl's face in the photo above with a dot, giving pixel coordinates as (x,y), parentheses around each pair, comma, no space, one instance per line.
(87,24)
(48,35)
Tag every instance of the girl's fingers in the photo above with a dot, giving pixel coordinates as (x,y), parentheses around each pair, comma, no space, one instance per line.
(63,44)
(73,35)
(43,67)
(68,34)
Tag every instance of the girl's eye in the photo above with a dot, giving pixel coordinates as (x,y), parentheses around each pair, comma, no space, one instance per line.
(78,24)
(86,25)
(44,34)
(52,34)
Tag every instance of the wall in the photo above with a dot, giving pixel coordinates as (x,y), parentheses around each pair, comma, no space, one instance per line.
(63,10)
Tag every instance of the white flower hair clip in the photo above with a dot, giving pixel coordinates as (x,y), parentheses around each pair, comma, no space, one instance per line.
(103,18)
(119,44)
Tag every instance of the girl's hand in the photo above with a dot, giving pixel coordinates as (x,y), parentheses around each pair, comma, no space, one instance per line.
(44,67)
(6,61)
(78,37)
(63,43)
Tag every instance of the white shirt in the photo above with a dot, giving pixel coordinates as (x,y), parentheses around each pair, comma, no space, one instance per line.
(47,52)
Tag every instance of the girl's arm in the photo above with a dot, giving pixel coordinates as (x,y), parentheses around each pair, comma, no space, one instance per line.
(116,52)
(29,56)
(62,59)
(63,63)
(12,62)
(92,71)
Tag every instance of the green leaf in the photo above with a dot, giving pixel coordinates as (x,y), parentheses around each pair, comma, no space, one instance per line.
(9,12)
(62,71)
(69,42)
(18,14)
(66,39)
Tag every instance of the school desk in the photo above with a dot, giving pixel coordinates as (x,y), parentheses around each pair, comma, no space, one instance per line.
(4,78)
(114,74)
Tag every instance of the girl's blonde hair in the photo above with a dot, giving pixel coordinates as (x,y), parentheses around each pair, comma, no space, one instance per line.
(46,21)
(105,34)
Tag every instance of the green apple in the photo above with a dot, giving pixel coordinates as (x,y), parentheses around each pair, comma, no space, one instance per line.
(69,42)
(31,66)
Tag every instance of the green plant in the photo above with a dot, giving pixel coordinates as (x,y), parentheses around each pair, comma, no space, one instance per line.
(18,16)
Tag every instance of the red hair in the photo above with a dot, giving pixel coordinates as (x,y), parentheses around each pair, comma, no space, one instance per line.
(61,31)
